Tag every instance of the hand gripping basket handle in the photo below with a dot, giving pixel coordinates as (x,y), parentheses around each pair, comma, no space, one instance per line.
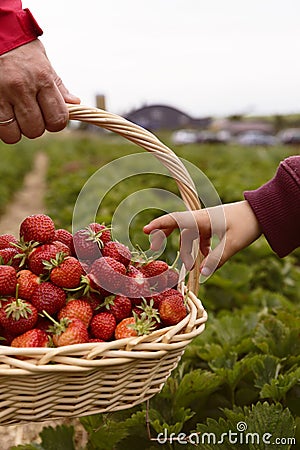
(151,143)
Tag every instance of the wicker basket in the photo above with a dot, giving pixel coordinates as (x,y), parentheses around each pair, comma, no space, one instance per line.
(40,384)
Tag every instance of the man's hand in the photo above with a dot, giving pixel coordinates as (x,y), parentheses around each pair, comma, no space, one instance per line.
(32,93)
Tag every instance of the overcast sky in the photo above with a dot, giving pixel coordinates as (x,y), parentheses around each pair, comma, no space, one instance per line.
(213,57)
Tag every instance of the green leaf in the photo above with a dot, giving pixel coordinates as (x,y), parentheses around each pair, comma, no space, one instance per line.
(278,387)
(195,387)
(248,428)
(274,336)
(265,369)
(58,438)
(104,433)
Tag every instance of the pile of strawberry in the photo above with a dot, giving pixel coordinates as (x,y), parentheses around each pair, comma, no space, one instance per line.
(59,289)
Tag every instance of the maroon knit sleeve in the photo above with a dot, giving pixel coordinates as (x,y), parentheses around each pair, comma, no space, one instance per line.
(276,205)
(17,25)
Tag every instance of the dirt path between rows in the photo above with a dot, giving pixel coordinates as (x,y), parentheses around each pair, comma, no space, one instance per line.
(29,200)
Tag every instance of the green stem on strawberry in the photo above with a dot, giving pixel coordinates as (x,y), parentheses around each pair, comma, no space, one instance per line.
(58,327)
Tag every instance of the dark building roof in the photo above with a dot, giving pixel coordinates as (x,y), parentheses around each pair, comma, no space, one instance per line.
(163,117)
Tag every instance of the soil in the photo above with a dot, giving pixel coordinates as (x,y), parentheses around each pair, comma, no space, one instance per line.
(30,200)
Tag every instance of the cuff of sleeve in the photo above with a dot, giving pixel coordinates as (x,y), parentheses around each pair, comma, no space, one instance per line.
(276,206)
(17,28)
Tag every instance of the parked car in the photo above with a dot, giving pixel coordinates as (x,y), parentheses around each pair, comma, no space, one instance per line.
(289,136)
(181,137)
(256,138)
(210,137)
(188,136)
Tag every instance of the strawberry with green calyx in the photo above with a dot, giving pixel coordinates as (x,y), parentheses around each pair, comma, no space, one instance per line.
(7,240)
(8,280)
(134,326)
(31,338)
(89,240)
(148,311)
(103,326)
(18,316)
(65,271)
(155,270)
(24,249)
(67,331)
(36,259)
(48,297)
(38,228)
(77,309)
(172,308)
(119,305)
(86,287)
(8,256)
(156,273)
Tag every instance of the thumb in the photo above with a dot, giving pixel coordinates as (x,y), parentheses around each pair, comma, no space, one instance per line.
(67,96)
(215,259)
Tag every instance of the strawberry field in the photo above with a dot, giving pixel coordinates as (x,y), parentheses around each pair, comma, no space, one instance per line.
(242,374)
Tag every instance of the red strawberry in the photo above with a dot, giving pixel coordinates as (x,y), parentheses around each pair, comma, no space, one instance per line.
(108,275)
(77,309)
(117,251)
(31,338)
(48,297)
(36,259)
(136,284)
(69,332)
(18,316)
(65,237)
(8,280)
(133,326)
(156,272)
(103,326)
(93,299)
(38,227)
(88,241)
(7,241)
(62,248)
(6,337)
(125,328)
(66,271)
(172,309)
(119,305)
(103,230)
(8,257)
(27,282)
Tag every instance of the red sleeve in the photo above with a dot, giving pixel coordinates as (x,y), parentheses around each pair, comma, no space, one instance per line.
(276,205)
(17,25)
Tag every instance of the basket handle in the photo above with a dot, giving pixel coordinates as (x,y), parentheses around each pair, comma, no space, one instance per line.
(151,143)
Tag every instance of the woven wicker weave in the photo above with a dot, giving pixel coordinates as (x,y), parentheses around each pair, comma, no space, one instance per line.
(40,384)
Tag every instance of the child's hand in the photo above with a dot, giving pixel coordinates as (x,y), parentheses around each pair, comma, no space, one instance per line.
(235,225)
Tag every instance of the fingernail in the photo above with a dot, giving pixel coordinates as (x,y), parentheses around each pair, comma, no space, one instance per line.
(206,271)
